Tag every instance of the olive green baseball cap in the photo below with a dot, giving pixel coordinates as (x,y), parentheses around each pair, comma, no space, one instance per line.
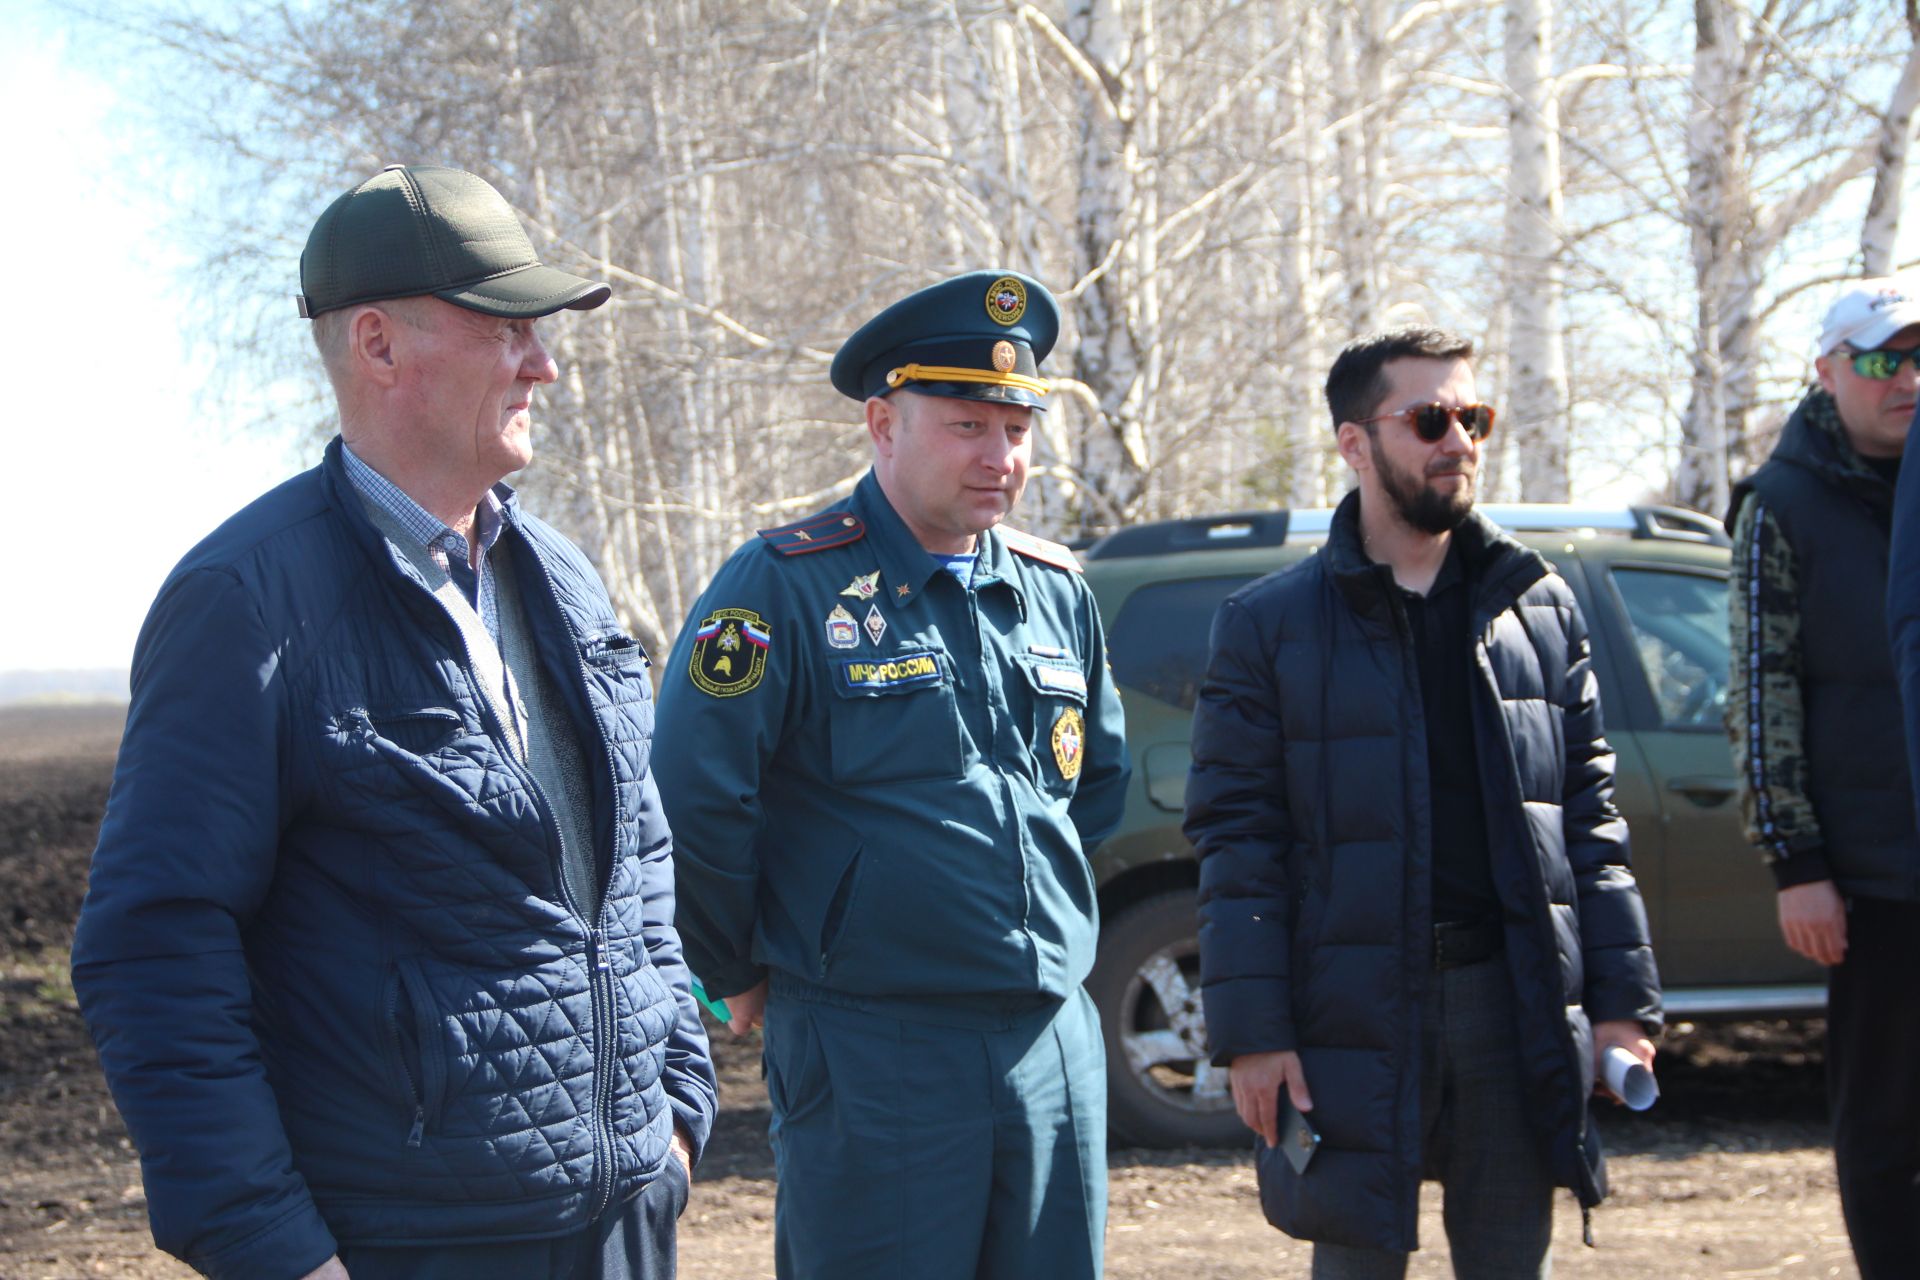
(412,230)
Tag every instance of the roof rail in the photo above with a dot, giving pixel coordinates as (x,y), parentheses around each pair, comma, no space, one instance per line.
(1658,521)
(1273,528)
(1196,533)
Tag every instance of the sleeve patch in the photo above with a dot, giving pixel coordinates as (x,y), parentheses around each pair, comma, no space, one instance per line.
(730,652)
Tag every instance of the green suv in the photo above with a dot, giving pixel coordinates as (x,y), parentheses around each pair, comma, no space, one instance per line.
(1652,582)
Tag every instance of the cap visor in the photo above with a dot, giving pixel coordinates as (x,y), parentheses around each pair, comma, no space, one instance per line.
(537,290)
(986,391)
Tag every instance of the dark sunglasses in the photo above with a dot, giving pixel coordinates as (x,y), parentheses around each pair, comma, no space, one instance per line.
(1431,422)
(1883,363)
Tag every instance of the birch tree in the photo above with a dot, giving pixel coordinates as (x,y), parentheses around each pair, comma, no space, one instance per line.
(1738,231)
(1884,206)
(1536,356)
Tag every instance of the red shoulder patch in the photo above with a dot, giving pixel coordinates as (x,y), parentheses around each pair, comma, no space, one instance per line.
(1057,554)
(816,533)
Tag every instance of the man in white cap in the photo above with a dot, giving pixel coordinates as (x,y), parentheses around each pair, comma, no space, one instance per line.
(1814,711)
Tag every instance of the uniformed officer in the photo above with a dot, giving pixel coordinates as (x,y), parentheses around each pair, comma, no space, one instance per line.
(888,740)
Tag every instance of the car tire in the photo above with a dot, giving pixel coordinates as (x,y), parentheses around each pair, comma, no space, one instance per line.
(1161,1089)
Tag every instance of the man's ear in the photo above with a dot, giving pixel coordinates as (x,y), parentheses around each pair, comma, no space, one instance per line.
(372,341)
(1823,370)
(1355,446)
(883,421)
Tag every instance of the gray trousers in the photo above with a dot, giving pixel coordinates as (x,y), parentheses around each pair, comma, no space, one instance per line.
(1498,1205)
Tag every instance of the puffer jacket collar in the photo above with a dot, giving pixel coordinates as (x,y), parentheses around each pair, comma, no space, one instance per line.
(1499,568)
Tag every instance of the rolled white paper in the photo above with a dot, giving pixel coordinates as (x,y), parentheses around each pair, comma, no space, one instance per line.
(1632,1083)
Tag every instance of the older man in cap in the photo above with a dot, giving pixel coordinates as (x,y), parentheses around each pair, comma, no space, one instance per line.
(378,948)
(895,740)
(1814,710)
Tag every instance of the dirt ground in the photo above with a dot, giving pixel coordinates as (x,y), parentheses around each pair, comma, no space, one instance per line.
(1729,1176)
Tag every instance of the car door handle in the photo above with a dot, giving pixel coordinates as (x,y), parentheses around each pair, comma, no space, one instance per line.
(1706,792)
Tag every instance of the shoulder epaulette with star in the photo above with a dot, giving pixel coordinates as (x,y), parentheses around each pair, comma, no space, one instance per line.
(1056,554)
(815,533)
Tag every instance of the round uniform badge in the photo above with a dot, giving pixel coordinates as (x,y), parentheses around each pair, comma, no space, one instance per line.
(1004,356)
(1006,300)
(730,652)
(1069,742)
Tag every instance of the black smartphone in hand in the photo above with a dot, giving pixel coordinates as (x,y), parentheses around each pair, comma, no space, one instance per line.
(1298,1138)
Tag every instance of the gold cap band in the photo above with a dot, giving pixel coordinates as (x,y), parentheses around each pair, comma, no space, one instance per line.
(943,373)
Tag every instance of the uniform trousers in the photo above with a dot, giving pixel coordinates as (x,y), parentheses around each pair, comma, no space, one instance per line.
(1497,1187)
(633,1242)
(1873,1085)
(942,1140)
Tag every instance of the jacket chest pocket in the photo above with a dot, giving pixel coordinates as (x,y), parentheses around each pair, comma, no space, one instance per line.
(391,753)
(1056,692)
(893,719)
(616,668)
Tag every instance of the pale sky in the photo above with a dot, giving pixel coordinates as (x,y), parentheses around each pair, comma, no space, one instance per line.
(118,464)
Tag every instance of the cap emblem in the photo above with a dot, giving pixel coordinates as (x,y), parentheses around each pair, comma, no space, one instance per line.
(1006,300)
(1003,356)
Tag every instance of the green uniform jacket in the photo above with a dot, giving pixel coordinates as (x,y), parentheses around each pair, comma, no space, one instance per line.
(882,781)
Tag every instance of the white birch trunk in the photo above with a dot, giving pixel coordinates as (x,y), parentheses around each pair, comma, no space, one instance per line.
(1537,391)
(1358,81)
(1309,433)
(1110,360)
(1717,213)
(1882,225)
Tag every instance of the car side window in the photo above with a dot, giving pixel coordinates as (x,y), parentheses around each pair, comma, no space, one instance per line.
(1679,622)
(1158,641)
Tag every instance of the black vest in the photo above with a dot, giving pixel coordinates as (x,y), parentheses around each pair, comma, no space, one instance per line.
(1838,520)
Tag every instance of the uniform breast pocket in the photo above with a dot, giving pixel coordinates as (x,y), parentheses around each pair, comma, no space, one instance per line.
(1058,692)
(894,719)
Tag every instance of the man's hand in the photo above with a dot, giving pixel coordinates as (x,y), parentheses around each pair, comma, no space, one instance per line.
(1813,920)
(331,1269)
(1628,1035)
(749,1008)
(683,1150)
(1256,1079)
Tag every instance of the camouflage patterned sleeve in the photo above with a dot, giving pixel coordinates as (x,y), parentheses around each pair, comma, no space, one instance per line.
(1765,713)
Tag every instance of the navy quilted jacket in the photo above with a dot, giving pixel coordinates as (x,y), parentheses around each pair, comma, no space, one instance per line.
(338,986)
(1309,806)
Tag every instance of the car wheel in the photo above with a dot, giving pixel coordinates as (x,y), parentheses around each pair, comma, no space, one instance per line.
(1161,1089)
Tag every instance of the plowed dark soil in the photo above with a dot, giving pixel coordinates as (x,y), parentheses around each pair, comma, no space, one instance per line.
(1729,1176)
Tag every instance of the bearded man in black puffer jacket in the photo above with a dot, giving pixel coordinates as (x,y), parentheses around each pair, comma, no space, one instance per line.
(1416,914)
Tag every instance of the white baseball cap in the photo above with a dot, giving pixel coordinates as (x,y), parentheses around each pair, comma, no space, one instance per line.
(1868,312)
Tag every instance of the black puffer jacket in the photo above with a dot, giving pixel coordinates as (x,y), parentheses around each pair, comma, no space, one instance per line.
(1310,808)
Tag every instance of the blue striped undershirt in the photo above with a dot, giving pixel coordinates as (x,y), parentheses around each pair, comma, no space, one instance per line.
(444,546)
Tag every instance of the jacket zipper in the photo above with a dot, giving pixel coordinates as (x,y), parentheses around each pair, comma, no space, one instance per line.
(414,1090)
(1418,963)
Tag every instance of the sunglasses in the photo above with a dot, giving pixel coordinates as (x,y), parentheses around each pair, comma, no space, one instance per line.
(1882,364)
(1431,422)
